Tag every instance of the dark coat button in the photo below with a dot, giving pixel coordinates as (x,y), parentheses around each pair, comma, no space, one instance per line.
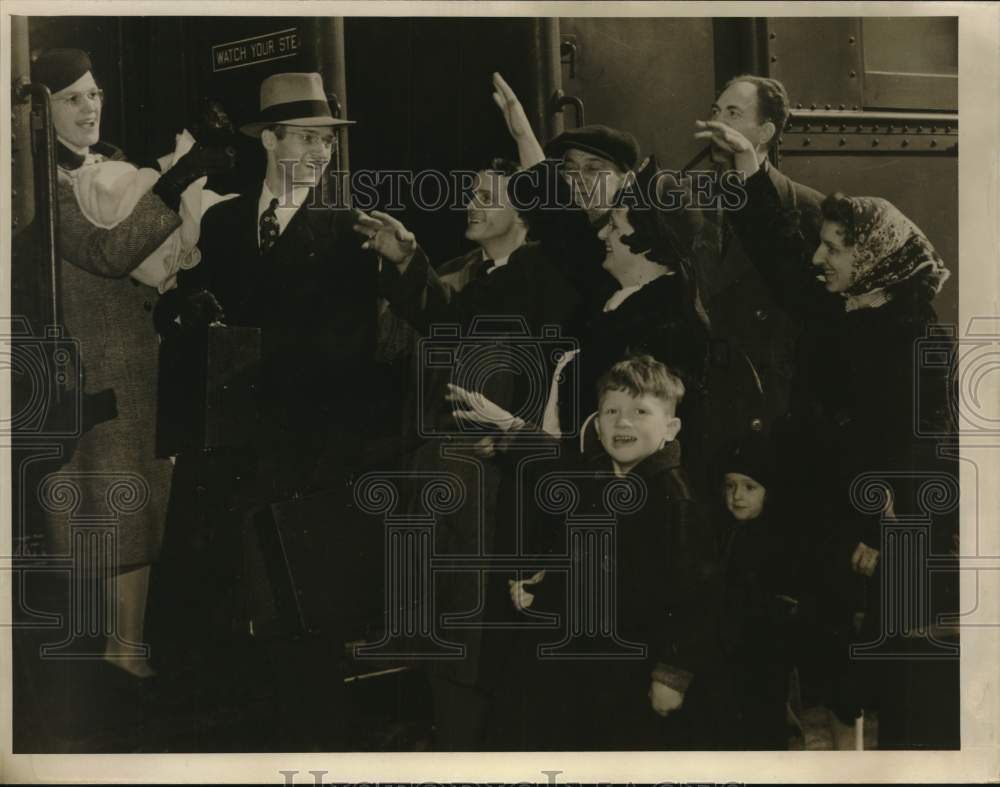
(760,314)
(147,305)
(756,424)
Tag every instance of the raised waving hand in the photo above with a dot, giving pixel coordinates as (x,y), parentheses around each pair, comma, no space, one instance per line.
(529,150)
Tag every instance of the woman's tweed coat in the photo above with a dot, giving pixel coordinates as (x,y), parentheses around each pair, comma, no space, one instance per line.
(114,475)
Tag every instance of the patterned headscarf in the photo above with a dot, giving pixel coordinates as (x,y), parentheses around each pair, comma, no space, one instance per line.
(889,248)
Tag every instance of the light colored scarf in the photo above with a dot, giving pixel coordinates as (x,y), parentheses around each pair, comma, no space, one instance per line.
(889,248)
(108,191)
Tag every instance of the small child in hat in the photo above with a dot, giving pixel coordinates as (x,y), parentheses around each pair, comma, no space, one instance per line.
(760,608)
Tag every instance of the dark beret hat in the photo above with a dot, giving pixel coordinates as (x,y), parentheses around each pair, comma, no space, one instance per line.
(616,146)
(59,68)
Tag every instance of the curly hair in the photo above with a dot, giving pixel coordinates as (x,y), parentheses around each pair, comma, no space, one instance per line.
(667,238)
(837,208)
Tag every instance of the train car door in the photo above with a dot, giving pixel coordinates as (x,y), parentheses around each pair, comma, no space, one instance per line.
(227,58)
(651,76)
(421,91)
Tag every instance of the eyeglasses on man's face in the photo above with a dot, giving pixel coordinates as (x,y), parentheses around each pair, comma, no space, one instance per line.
(75,100)
(313,138)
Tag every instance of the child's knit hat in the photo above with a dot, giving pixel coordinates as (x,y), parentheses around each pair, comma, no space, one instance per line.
(751,456)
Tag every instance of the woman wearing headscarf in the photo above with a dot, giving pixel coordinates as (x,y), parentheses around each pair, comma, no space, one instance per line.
(862,402)
(875,401)
(107,228)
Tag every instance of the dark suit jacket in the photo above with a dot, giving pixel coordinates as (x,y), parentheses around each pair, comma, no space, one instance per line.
(754,336)
(515,301)
(564,233)
(459,291)
(313,295)
(498,352)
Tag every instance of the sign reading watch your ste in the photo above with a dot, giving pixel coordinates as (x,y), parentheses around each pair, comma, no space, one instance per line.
(258,49)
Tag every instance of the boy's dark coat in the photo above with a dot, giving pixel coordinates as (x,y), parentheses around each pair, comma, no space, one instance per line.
(666,578)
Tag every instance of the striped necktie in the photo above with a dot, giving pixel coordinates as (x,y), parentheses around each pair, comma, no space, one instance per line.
(269,227)
(480,268)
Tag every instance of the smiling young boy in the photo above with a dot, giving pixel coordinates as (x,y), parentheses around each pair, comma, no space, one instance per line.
(635,417)
(657,581)
(664,552)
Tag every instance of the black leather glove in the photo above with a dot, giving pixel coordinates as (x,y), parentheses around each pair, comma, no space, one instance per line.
(183,313)
(192,165)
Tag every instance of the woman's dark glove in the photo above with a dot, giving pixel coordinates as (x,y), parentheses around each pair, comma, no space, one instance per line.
(197,162)
(180,312)
(783,609)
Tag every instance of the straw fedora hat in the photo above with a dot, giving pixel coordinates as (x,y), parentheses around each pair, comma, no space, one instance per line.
(293,99)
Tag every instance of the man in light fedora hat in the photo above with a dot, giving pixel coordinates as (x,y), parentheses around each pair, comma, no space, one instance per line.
(296,128)
(277,258)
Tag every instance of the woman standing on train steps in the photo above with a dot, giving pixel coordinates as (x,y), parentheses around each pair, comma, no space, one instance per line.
(109,315)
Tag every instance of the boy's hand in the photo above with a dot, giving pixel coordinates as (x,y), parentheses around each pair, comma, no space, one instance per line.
(485,447)
(386,236)
(664,699)
(521,598)
(864,559)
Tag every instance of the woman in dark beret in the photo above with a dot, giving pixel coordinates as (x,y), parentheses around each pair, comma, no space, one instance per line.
(656,309)
(110,315)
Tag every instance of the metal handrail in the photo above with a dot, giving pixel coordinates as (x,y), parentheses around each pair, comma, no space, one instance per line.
(561,100)
(43,135)
(46,176)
